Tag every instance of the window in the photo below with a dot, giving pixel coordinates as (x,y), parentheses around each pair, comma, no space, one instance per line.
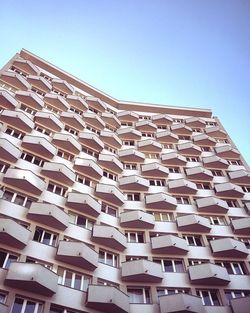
(157,182)
(72,279)
(246,188)
(233,268)
(181,137)
(211,123)
(72,109)
(222,140)
(108,258)
(71,130)
(147,135)
(205,186)
(106,208)
(171,266)
(207,149)
(93,130)
(217,173)
(234,162)
(209,297)
(27,109)
(61,191)
(132,197)
(110,149)
(135,237)
(162,127)
(197,130)
(246,242)
(163,217)
(168,146)
(110,175)
(57,309)
(128,166)
(193,159)
(3,296)
(152,155)
(90,152)
(139,295)
(104,282)
(32,159)
(32,260)
(3,168)
(178,120)
(80,220)
(217,220)
(45,237)
(83,180)
(196,262)
(170,291)
(144,117)
(128,142)
(232,203)
(65,155)
(233,294)
(193,240)
(174,170)
(126,124)
(22,305)
(43,130)
(17,198)
(38,91)
(14,133)
(7,258)
(182,200)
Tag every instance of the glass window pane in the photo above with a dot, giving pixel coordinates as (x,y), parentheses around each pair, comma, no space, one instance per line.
(17,308)
(11,258)
(46,238)
(179,267)
(135,296)
(77,284)
(2,258)
(215,298)
(68,279)
(168,266)
(30,307)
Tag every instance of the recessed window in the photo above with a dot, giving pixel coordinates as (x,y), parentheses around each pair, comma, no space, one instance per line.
(182,200)
(233,294)
(171,266)
(128,166)
(193,240)
(157,182)
(233,268)
(80,220)
(108,258)
(137,237)
(209,297)
(110,175)
(61,191)
(6,258)
(163,216)
(132,197)
(106,208)
(205,186)
(139,295)
(174,170)
(22,305)
(45,237)
(73,279)
(17,198)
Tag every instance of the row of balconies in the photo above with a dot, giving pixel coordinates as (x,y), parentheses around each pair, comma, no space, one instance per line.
(38,279)
(15,235)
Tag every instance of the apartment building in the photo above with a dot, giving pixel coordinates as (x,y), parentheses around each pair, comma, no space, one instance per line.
(115,206)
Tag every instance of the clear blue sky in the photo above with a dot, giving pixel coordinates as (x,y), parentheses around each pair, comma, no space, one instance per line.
(179,52)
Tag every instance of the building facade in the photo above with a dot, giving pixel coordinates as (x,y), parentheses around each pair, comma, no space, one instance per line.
(112,206)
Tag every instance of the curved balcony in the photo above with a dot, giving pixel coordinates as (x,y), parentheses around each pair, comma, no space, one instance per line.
(83,203)
(13,234)
(111,139)
(131,156)
(91,140)
(110,162)
(189,149)
(227,152)
(26,67)
(162,120)
(109,236)
(149,145)
(182,186)
(15,80)
(62,86)
(195,122)
(228,190)
(30,99)
(58,172)
(77,254)
(215,162)
(77,103)
(146,126)
(181,303)
(129,133)
(93,120)
(107,299)
(66,142)
(39,145)
(111,120)
(127,116)
(154,170)
(48,120)
(110,194)
(208,274)
(173,159)
(199,173)
(32,277)
(181,129)
(137,219)
(48,214)
(56,101)
(169,244)
(24,180)
(193,223)
(17,119)
(73,120)
(96,104)
(166,137)
(141,271)
(241,177)
(241,226)
(161,201)
(228,247)
(8,151)
(204,140)
(7,102)
(133,182)
(212,205)
(216,132)
(88,167)
(40,83)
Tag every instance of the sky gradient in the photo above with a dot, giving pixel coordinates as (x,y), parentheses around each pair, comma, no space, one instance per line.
(175,52)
